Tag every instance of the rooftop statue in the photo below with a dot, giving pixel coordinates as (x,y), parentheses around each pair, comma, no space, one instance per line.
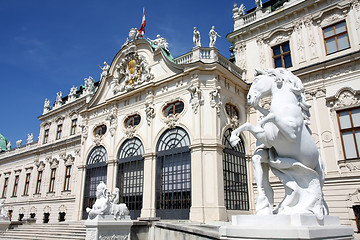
(258,3)
(30,138)
(213,35)
(285,145)
(159,42)
(104,69)
(196,38)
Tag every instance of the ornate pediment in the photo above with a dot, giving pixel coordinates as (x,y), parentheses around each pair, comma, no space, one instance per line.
(346,97)
(133,70)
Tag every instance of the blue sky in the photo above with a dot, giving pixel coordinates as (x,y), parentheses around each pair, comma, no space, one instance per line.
(49,46)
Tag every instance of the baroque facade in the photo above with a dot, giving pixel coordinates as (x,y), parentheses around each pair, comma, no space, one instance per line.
(319,42)
(158,127)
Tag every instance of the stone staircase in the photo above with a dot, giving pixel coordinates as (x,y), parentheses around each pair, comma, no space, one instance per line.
(64,231)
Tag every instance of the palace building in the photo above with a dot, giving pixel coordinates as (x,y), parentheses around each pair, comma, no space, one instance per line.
(158,127)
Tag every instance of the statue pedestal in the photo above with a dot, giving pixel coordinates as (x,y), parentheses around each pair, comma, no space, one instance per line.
(285,227)
(4,225)
(106,227)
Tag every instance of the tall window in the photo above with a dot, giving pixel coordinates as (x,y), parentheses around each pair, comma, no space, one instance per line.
(46,136)
(67,178)
(96,171)
(131,175)
(282,55)
(52,180)
(6,182)
(38,182)
(58,132)
(27,183)
(16,183)
(235,175)
(73,126)
(349,123)
(173,175)
(336,38)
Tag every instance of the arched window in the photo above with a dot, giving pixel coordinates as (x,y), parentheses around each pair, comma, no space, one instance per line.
(100,130)
(96,170)
(173,175)
(232,110)
(235,175)
(130,177)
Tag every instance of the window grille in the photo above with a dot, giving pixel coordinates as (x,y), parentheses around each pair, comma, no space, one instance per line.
(235,175)
(173,175)
(131,175)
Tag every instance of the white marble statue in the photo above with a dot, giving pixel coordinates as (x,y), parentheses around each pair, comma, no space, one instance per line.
(159,42)
(30,138)
(107,203)
(241,10)
(196,38)
(258,3)
(285,146)
(104,69)
(18,143)
(8,146)
(89,85)
(46,105)
(3,212)
(213,35)
(133,34)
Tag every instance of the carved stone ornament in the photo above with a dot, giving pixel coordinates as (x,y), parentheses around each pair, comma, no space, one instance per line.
(150,112)
(332,17)
(171,120)
(215,99)
(54,163)
(98,139)
(114,237)
(234,122)
(348,166)
(112,118)
(344,98)
(133,70)
(130,132)
(68,159)
(196,95)
(58,102)
(40,165)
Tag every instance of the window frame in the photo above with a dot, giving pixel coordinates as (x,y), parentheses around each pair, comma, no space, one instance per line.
(16,184)
(46,136)
(59,131)
(282,54)
(6,184)
(38,182)
(351,129)
(174,110)
(52,180)
(336,35)
(73,126)
(27,184)
(135,120)
(67,178)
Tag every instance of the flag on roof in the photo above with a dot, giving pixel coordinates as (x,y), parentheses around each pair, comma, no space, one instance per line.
(143,24)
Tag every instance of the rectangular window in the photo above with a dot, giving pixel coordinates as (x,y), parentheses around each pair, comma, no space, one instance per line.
(336,37)
(67,178)
(58,132)
(38,182)
(6,182)
(46,136)
(282,55)
(73,126)
(27,183)
(349,123)
(16,182)
(52,180)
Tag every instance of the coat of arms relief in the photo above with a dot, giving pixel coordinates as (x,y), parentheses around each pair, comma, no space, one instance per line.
(132,70)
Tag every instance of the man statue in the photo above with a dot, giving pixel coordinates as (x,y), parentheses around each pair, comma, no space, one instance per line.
(196,38)
(213,35)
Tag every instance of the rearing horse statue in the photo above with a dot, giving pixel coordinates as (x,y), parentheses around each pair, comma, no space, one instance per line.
(285,145)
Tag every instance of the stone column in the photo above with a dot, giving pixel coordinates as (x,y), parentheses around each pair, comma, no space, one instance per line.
(148,210)
(111,174)
(79,188)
